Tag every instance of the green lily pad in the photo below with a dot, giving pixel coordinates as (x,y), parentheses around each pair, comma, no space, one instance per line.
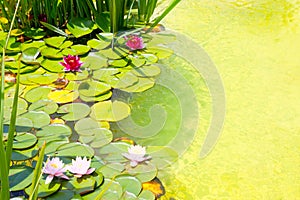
(74,111)
(52,65)
(161,38)
(38,118)
(30,55)
(98,44)
(93,88)
(62,194)
(52,146)
(80,185)
(113,152)
(77,76)
(150,58)
(86,126)
(75,149)
(137,61)
(36,44)
(101,137)
(128,79)
(63,96)
(110,111)
(128,196)
(37,93)
(20,155)
(20,177)
(101,97)
(105,36)
(95,61)
(50,52)
(46,105)
(66,44)
(144,172)
(43,79)
(119,63)
(103,73)
(142,85)
(110,190)
(129,183)
(146,195)
(55,41)
(54,132)
(147,71)
(69,51)
(162,156)
(80,26)
(46,190)
(24,141)
(160,52)
(35,33)
(116,53)
(81,49)
(111,170)
(23,124)
(8,103)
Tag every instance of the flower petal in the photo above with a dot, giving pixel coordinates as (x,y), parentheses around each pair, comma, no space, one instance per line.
(49,179)
(91,170)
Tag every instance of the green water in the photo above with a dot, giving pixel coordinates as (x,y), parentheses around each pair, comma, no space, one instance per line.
(255,46)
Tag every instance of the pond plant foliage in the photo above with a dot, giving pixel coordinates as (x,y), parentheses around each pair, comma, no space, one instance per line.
(60,69)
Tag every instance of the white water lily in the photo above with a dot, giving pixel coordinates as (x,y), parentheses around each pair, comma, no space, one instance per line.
(136,154)
(80,167)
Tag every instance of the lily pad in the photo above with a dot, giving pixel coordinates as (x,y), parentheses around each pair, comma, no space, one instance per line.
(129,183)
(74,111)
(37,93)
(80,26)
(113,152)
(46,189)
(95,61)
(93,88)
(43,79)
(128,79)
(55,41)
(86,126)
(20,177)
(66,44)
(75,149)
(80,185)
(52,65)
(111,170)
(63,96)
(101,97)
(20,155)
(62,194)
(110,111)
(54,132)
(116,53)
(146,195)
(37,44)
(100,137)
(142,85)
(46,105)
(150,58)
(38,118)
(144,172)
(24,141)
(29,56)
(119,63)
(77,76)
(160,52)
(147,71)
(81,49)
(52,146)
(162,156)
(98,44)
(50,52)
(35,33)
(103,73)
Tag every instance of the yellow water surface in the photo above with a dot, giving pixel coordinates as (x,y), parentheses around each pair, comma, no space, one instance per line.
(255,46)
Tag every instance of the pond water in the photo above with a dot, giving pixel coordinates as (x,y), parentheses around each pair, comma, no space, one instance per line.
(254,45)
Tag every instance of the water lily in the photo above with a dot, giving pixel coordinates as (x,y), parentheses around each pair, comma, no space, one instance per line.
(71,63)
(134,42)
(80,167)
(54,167)
(136,154)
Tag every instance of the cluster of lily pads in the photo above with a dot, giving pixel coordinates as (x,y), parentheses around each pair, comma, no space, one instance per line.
(66,100)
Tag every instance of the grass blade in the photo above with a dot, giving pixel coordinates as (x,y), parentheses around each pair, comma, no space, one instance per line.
(54,29)
(37,174)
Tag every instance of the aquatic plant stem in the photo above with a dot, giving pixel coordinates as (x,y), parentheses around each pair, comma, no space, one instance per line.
(4,167)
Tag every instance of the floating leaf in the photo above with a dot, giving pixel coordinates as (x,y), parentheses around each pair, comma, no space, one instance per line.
(80,185)
(137,61)
(116,53)
(34,33)
(101,97)
(161,38)
(129,183)
(63,96)
(52,65)
(75,149)
(37,93)
(46,189)
(95,61)
(128,79)
(111,170)
(118,63)
(29,56)
(98,44)
(81,49)
(54,132)
(77,76)
(99,138)
(36,44)
(43,79)
(113,152)
(55,41)
(80,26)
(38,118)
(93,88)
(142,85)
(50,52)
(144,172)
(24,141)
(20,155)
(66,44)
(162,156)
(46,105)
(52,146)
(150,58)
(103,73)
(20,177)
(86,126)
(62,194)
(146,195)
(160,52)
(74,111)
(110,111)
(147,71)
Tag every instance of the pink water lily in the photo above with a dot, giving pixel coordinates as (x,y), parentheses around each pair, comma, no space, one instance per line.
(80,167)
(71,63)
(134,42)
(136,154)
(54,167)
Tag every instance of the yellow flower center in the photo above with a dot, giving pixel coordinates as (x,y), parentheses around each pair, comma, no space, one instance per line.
(54,165)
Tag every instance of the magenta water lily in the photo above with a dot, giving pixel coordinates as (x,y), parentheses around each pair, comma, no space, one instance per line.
(54,167)
(134,42)
(136,154)
(71,63)
(80,167)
